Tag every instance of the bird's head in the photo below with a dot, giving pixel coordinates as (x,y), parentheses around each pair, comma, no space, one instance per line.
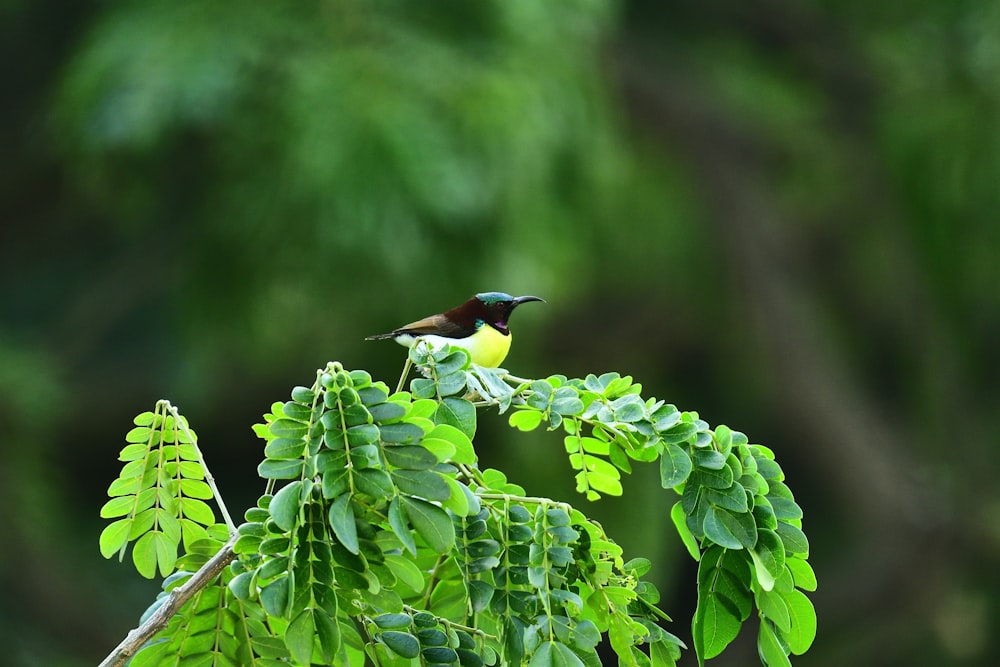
(494,308)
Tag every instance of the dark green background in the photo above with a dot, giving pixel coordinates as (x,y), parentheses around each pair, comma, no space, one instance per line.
(780,214)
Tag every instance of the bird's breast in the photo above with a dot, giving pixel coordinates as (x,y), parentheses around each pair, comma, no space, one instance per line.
(487,347)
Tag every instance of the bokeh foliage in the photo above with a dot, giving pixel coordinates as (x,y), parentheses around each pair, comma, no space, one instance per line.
(782,213)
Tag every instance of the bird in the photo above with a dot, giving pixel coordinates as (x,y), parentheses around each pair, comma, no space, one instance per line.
(480,326)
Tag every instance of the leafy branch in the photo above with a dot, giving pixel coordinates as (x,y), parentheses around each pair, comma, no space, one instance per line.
(378,537)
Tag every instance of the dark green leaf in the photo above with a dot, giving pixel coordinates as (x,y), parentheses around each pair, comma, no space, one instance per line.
(410,457)
(432,523)
(362,434)
(275,596)
(393,621)
(554,654)
(452,383)
(401,433)
(459,413)
(343,524)
(734,498)
(715,625)
(424,483)
(675,466)
(716,479)
(708,458)
(299,637)
(733,531)
(387,412)
(402,644)
(328,632)
(423,388)
(768,558)
(375,483)
(439,655)
(679,432)
(280,469)
(336,482)
(285,504)
(794,539)
(399,525)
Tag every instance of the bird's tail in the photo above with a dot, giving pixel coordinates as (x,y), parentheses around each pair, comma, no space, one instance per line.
(380,336)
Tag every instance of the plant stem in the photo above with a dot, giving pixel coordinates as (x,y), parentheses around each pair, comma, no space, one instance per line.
(182,424)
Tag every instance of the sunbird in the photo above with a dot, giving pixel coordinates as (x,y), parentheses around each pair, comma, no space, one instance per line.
(479,326)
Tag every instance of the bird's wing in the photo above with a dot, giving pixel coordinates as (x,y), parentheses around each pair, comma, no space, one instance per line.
(438,325)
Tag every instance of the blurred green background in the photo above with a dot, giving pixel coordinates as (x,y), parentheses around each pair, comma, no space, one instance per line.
(780,214)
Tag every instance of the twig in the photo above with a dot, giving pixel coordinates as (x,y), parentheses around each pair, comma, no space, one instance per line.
(177,598)
(230,526)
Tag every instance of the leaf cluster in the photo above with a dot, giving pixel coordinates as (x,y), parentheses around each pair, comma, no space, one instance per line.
(379,539)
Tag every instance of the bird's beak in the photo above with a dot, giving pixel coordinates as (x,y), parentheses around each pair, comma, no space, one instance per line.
(521,299)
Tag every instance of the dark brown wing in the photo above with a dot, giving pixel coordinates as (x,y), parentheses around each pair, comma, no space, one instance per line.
(438,325)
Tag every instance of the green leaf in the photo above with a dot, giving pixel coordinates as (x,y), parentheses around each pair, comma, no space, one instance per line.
(733,499)
(393,621)
(114,537)
(714,626)
(770,649)
(732,531)
(287,428)
(328,632)
(793,538)
(802,573)
(144,555)
(459,413)
(166,553)
(139,434)
(285,504)
(464,452)
(410,457)
(403,433)
(675,466)
(120,506)
(194,488)
(198,510)
(402,644)
(299,637)
(803,620)
(768,558)
(525,420)
(423,388)
(280,469)
(679,432)
(343,524)
(275,596)
(399,525)
(713,479)
(432,523)
(554,654)
(459,497)
(679,518)
(406,571)
(285,448)
(375,483)
(773,606)
(608,485)
(362,434)
(708,458)
(424,483)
